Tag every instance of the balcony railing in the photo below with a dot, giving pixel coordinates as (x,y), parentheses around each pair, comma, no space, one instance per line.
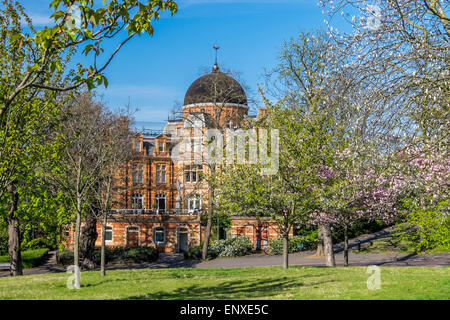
(147,211)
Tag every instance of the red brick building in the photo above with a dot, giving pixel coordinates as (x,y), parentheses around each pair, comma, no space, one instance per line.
(162,192)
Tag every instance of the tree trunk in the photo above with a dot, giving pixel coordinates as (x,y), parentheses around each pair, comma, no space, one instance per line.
(286,251)
(87,241)
(15,255)
(76,247)
(320,247)
(102,254)
(208,225)
(328,247)
(345,246)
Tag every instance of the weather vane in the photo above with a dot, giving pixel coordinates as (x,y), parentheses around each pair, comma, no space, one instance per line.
(216,48)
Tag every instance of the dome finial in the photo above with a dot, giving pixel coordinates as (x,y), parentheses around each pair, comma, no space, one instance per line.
(216,66)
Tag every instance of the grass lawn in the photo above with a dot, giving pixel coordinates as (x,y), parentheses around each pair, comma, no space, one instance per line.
(30,258)
(245,283)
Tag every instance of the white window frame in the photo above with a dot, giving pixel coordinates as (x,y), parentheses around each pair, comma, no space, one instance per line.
(112,233)
(136,198)
(196,200)
(159,230)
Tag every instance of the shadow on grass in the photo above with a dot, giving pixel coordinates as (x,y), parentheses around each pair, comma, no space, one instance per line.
(238,289)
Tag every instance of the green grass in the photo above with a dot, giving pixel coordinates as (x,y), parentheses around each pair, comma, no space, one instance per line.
(30,258)
(244,283)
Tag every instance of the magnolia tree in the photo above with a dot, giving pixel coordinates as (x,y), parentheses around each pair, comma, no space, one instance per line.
(426,201)
(399,49)
(351,192)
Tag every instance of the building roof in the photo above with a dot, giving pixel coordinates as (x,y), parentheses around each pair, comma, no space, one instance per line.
(215,87)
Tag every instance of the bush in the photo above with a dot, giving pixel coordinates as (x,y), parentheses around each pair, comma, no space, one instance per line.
(193,253)
(233,247)
(30,258)
(308,241)
(37,243)
(114,255)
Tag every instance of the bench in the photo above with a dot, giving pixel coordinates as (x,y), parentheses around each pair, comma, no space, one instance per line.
(5,266)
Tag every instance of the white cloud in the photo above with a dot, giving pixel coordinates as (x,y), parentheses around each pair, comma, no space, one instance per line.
(40,19)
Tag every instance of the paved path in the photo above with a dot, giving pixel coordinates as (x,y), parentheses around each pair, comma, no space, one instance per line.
(49,267)
(304,258)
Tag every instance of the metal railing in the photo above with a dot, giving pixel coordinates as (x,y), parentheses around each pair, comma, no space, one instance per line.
(160,212)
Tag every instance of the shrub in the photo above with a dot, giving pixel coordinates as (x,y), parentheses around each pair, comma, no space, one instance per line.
(309,242)
(193,253)
(233,247)
(37,243)
(114,255)
(30,258)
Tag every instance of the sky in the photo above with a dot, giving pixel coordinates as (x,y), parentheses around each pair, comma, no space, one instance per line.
(153,73)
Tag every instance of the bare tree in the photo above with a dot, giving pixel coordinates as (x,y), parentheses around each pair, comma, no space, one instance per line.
(85,136)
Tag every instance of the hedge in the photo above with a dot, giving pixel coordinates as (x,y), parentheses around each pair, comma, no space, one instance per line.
(30,258)
(308,242)
(114,255)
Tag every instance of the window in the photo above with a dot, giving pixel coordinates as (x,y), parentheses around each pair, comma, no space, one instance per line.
(193,173)
(161,146)
(265,244)
(137,201)
(66,232)
(161,202)
(138,173)
(159,235)
(108,234)
(194,202)
(192,146)
(138,146)
(160,173)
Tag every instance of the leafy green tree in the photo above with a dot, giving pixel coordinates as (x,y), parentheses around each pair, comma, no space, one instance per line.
(34,68)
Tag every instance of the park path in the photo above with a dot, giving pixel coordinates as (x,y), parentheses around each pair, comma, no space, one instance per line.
(304,258)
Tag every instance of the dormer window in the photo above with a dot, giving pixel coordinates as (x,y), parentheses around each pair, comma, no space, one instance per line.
(161,146)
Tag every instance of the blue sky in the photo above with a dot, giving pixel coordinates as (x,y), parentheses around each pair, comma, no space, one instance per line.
(155,72)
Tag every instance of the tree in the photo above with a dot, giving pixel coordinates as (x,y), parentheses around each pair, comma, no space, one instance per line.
(309,85)
(425,196)
(85,137)
(400,49)
(33,69)
(244,190)
(119,152)
(46,50)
